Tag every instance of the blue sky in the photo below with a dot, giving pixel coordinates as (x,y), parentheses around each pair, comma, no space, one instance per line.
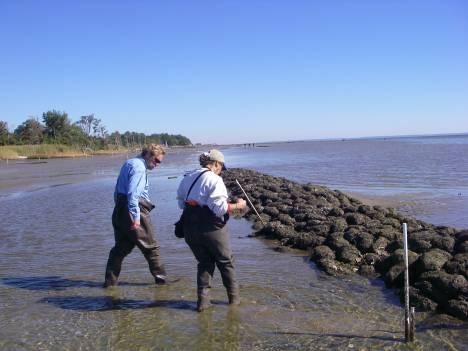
(239,71)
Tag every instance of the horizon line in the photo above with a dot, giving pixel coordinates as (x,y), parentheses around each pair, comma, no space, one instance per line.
(349,138)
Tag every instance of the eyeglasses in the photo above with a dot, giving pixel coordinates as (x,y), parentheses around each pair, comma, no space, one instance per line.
(156,160)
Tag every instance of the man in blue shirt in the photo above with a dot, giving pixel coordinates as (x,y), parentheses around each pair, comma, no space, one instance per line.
(131,217)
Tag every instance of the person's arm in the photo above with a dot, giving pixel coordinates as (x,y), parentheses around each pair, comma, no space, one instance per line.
(181,194)
(136,186)
(217,200)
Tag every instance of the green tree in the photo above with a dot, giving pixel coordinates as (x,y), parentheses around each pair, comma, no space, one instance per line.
(115,139)
(4,133)
(30,132)
(76,137)
(57,126)
(97,126)
(86,123)
(126,139)
(181,140)
(169,139)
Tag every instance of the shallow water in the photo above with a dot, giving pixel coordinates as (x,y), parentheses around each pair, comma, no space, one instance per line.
(425,177)
(55,237)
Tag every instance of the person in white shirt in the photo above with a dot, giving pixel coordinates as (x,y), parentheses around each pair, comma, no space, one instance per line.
(203,197)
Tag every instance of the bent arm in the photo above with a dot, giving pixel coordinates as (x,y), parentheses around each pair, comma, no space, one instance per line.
(136,186)
(181,195)
(217,200)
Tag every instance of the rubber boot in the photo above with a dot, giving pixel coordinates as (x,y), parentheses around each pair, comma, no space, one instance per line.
(233,296)
(110,280)
(160,280)
(204,301)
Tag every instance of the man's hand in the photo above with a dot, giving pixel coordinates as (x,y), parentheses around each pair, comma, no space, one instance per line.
(135,225)
(135,222)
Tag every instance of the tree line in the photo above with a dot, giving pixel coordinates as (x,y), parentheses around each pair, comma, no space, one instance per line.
(88,132)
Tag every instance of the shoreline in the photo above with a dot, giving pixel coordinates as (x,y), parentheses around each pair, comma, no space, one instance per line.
(401,201)
(376,200)
(57,155)
(53,151)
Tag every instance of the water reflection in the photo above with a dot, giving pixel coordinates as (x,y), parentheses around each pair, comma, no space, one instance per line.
(107,303)
(215,333)
(351,336)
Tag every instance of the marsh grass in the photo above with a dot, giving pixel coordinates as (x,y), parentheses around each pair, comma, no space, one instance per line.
(50,151)
(38,151)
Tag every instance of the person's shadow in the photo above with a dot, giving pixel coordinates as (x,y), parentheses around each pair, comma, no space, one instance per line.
(55,283)
(108,303)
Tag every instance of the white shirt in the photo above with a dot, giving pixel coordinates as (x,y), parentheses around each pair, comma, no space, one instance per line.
(209,190)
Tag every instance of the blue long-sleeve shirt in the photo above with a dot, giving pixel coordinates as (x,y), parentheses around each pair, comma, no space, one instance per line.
(133,182)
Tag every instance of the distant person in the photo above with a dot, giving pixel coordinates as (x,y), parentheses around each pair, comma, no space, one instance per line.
(203,197)
(131,217)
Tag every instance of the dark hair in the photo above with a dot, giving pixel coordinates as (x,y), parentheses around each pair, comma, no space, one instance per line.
(205,160)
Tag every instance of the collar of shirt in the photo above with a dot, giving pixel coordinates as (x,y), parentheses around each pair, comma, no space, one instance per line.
(143,160)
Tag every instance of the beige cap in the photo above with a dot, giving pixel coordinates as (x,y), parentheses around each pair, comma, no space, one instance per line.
(216,155)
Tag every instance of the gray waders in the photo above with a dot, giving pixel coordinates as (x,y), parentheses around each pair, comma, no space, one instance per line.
(126,239)
(209,241)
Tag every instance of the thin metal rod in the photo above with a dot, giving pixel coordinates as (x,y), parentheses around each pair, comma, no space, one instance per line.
(412,327)
(407,304)
(250,202)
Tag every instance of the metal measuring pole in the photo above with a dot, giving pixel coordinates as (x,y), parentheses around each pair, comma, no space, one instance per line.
(409,316)
(250,202)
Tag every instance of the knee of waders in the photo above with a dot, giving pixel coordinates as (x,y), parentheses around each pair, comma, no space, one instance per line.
(120,251)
